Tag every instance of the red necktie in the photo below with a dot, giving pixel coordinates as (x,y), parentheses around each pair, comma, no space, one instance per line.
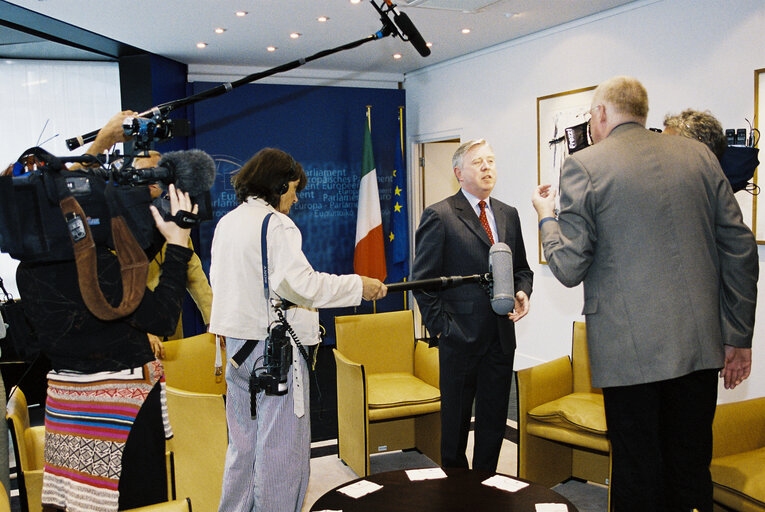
(485,221)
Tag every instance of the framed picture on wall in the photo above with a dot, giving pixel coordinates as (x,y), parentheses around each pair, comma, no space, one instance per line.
(758,210)
(555,113)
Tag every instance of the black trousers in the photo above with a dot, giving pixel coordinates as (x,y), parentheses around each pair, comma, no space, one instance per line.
(466,375)
(143,480)
(661,441)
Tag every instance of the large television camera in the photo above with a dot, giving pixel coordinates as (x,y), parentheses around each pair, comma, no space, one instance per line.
(34,229)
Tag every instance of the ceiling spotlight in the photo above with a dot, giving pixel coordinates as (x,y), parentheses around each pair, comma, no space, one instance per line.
(355,1)
(219,30)
(271,48)
(201,45)
(295,35)
(465,30)
(322,19)
(241,13)
(396,56)
(429,44)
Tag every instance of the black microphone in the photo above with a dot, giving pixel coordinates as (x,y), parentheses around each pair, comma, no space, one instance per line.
(405,27)
(503,284)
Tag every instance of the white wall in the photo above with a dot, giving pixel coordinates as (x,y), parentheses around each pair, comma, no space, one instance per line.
(688,53)
(46,102)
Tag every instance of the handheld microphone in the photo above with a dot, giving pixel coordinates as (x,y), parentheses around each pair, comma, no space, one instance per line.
(404,27)
(503,284)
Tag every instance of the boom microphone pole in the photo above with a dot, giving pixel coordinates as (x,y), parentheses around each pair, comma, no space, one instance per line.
(499,279)
(165,108)
(438,283)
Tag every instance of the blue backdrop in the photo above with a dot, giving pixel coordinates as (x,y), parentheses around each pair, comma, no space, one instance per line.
(322,128)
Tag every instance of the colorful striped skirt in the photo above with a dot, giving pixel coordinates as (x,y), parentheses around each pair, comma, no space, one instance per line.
(88,418)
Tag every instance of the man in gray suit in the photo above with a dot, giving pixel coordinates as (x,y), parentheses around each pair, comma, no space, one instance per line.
(476,346)
(650,225)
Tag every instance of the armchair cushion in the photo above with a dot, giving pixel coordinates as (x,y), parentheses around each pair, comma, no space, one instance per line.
(397,389)
(582,411)
(742,474)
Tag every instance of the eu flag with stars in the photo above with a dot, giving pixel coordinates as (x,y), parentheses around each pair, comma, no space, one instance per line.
(398,238)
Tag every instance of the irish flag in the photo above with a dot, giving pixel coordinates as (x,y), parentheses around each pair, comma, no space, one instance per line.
(369,256)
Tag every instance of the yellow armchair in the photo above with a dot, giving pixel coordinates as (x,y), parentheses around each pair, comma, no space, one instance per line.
(738,456)
(190,365)
(561,420)
(387,389)
(199,443)
(28,447)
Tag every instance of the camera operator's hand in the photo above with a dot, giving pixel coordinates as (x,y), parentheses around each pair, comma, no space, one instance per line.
(157,346)
(372,289)
(173,233)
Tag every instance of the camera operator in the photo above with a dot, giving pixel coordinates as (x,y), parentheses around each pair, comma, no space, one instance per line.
(105,430)
(196,281)
(268,457)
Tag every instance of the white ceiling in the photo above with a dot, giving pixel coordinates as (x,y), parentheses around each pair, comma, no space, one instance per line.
(173,28)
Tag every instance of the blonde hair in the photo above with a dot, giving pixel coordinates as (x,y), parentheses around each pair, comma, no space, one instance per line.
(625,94)
(464,148)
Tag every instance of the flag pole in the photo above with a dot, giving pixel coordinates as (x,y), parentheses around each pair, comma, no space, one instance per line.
(369,124)
(401,142)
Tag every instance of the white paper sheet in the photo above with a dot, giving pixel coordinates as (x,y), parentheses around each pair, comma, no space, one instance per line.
(551,507)
(505,483)
(425,474)
(360,488)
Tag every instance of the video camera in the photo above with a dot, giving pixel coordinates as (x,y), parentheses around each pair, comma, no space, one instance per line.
(33,228)
(277,359)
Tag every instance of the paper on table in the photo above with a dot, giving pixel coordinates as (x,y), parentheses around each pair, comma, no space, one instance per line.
(360,488)
(425,474)
(551,507)
(505,483)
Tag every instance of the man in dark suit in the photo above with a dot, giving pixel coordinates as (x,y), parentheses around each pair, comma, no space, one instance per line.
(650,225)
(476,346)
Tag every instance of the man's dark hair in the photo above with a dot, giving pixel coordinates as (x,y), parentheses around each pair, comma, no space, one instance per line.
(266,175)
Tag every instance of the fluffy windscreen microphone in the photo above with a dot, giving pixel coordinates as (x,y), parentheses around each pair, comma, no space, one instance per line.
(503,284)
(193,170)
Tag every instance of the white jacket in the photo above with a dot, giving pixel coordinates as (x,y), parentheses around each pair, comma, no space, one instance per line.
(239,308)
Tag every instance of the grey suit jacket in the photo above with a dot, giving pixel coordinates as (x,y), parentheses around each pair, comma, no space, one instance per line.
(650,224)
(450,241)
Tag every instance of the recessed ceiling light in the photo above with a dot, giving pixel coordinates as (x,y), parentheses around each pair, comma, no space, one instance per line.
(271,48)
(295,35)
(322,19)
(219,30)
(396,55)
(465,30)
(355,1)
(201,45)
(429,44)
(241,13)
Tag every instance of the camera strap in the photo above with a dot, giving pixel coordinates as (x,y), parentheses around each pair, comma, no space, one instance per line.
(264,257)
(249,345)
(134,266)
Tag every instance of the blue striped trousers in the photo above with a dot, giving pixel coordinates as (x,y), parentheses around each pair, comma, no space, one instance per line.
(268,458)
